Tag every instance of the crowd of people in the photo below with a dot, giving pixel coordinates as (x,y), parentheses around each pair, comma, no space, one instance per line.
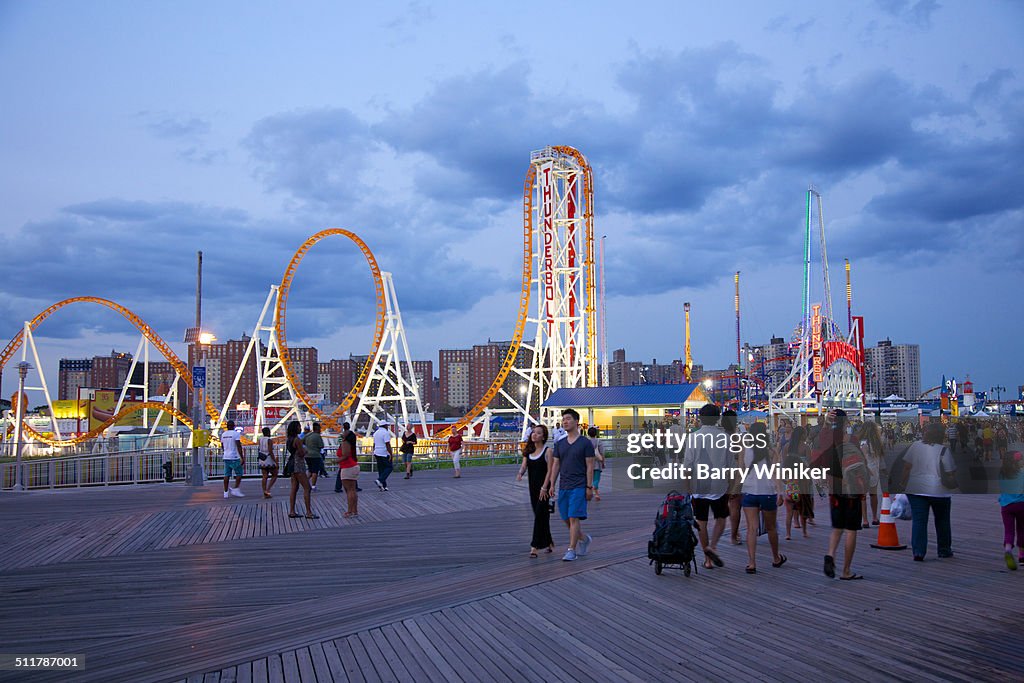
(564,470)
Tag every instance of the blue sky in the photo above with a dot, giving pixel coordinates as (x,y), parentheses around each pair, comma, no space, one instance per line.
(134,134)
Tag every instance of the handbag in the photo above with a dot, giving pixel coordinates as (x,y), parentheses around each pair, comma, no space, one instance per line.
(948,477)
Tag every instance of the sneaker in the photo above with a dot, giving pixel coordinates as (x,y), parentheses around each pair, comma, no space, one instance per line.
(226,494)
(569,556)
(385,489)
(379,485)
(1011,563)
(583,545)
(237,493)
(313,487)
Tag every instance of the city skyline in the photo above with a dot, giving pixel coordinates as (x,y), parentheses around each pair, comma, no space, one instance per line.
(129,149)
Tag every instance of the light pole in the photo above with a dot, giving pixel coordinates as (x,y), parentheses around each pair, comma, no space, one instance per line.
(199,399)
(999,398)
(23,368)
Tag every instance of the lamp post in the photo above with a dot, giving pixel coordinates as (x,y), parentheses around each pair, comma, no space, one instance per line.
(199,400)
(999,397)
(23,368)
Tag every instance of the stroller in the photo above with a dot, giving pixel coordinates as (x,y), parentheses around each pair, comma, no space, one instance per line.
(674,541)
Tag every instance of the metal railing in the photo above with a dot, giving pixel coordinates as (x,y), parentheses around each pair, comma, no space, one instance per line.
(147,466)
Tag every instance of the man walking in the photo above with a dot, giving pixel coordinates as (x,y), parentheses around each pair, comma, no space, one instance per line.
(382,454)
(574,461)
(314,455)
(234,459)
(708,446)
(848,477)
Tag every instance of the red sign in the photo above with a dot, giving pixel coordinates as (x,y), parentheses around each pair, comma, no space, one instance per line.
(837,350)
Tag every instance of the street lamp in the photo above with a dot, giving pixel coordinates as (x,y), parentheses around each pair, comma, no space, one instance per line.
(999,398)
(23,368)
(199,400)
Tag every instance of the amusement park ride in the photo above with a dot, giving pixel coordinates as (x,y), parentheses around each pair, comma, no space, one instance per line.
(556,330)
(828,367)
(554,344)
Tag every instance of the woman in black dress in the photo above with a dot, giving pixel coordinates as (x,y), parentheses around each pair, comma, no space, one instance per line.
(536,462)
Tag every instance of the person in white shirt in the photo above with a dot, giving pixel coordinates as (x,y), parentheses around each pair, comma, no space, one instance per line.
(924,464)
(707,446)
(234,459)
(382,454)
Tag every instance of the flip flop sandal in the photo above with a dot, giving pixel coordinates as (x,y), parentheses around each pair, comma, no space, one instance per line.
(830,567)
(851,577)
(294,516)
(312,516)
(713,556)
(782,561)
(533,553)
(751,570)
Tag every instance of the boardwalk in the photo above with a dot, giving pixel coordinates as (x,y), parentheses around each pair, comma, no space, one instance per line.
(163,583)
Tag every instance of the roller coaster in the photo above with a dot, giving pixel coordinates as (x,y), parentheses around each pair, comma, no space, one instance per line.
(558,278)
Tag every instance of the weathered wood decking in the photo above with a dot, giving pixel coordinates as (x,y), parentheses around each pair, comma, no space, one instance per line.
(432,583)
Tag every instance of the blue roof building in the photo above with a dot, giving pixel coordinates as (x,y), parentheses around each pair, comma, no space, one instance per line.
(628,406)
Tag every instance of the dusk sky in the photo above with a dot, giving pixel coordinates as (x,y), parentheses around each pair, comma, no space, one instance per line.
(134,134)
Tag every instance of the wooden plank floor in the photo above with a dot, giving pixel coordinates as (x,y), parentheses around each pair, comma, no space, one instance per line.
(163,583)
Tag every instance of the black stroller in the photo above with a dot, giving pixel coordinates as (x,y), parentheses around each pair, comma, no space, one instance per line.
(674,541)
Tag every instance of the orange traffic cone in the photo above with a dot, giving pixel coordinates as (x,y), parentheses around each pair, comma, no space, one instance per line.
(888,539)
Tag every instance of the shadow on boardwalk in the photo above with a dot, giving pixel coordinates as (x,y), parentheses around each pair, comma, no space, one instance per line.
(434,583)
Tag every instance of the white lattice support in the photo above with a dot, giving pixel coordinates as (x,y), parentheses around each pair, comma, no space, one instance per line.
(273,389)
(391,379)
(30,342)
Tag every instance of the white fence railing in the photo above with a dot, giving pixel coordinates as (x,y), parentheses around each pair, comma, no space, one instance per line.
(140,467)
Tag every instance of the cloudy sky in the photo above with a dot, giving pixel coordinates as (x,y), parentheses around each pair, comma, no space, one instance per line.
(134,134)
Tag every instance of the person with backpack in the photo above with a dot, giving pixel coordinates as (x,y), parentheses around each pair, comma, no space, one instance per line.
(929,477)
(848,479)
(762,496)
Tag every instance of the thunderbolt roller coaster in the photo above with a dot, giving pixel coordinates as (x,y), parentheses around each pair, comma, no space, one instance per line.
(557,227)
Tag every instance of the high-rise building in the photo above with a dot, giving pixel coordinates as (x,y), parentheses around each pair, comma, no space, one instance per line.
(631,373)
(110,372)
(893,369)
(424,373)
(485,364)
(453,372)
(72,374)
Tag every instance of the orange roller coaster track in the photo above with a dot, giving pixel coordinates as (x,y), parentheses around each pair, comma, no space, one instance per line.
(280,318)
(147,332)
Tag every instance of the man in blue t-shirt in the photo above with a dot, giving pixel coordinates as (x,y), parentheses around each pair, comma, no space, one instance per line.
(574,460)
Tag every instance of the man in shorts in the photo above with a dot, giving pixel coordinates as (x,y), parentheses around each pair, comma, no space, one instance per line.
(574,461)
(234,459)
(708,446)
(834,445)
(314,443)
